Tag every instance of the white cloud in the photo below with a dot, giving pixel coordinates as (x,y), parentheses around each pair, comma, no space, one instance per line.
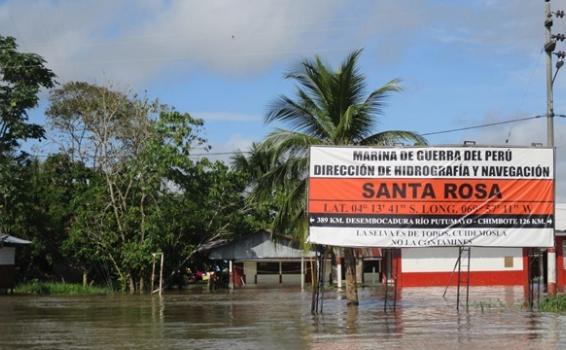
(130,41)
(475,26)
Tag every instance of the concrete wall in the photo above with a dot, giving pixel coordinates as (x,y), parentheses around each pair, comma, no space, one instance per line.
(267,279)
(443,259)
(288,279)
(7,256)
(292,279)
(250,269)
(371,278)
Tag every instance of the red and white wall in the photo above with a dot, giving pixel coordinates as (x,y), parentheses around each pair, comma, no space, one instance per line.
(560,263)
(488,267)
(560,239)
(420,267)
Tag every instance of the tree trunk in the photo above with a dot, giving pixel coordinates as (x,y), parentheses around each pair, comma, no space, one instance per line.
(142,286)
(85,279)
(313,285)
(351,286)
(132,284)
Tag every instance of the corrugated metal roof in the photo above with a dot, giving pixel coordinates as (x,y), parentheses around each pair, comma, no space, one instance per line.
(369,253)
(7,239)
(258,246)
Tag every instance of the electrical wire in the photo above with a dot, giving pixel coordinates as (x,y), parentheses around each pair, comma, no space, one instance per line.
(479,126)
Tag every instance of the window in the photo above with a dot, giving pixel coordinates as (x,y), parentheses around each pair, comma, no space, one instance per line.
(267,268)
(508,261)
(272,268)
(292,267)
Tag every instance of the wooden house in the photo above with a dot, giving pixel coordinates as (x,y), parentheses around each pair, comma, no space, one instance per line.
(8,246)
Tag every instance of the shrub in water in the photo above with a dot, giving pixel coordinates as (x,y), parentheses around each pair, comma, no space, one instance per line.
(553,304)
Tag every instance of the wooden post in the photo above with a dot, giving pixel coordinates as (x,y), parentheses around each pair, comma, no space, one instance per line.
(152,272)
(280,272)
(338,271)
(360,270)
(312,273)
(230,275)
(161,276)
(302,272)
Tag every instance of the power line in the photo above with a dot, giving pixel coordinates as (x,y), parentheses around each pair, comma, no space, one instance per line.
(483,125)
(424,134)
(218,153)
(479,126)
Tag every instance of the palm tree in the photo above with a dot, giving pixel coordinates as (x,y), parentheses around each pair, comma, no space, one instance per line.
(329,108)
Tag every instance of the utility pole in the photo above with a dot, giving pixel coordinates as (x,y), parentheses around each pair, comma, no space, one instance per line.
(549,46)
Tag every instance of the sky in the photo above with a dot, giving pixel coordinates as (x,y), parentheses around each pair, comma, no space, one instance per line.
(461,63)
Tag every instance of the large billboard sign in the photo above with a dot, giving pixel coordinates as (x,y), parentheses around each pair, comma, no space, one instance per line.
(431,196)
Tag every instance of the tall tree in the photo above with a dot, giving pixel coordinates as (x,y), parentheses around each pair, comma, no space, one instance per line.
(22,75)
(148,195)
(111,131)
(330,107)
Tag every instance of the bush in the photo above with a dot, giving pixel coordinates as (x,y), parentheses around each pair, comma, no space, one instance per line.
(58,288)
(553,304)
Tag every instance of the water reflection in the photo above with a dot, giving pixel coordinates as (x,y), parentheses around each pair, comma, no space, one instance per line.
(277,319)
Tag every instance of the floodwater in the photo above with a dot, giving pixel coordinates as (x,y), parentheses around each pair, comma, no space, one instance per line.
(278,319)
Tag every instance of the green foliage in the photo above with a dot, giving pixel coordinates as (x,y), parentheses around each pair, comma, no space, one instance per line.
(553,304)
(22,75)
(38,205)
(58,288)
(145,194)
(330,107)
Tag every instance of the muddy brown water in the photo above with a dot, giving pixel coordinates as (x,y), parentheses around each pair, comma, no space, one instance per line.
(278,319)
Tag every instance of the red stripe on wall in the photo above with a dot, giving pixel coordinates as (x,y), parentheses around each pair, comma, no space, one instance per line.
(477,278)
(560,271)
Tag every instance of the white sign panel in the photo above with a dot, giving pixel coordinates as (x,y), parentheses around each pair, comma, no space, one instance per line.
(431,197)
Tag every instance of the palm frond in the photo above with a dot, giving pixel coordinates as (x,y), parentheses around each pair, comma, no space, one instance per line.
(302,115)
(240,162)
(281,142)
(350,83)
(343,134)
(373,107)
(315,77)
(290,219)
(389,138)
(329,108)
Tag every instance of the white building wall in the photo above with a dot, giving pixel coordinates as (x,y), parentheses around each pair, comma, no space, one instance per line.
(292,279)
(371,278)
(268,279)
(250,270)
(7,256)
(443,259)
